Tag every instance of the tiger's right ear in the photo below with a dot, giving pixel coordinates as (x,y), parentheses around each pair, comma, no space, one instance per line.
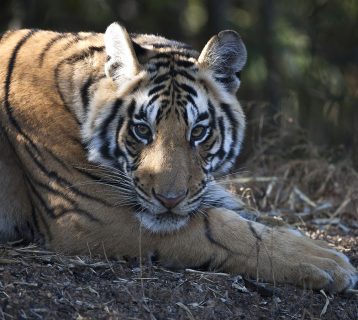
(122,62)
(225,55)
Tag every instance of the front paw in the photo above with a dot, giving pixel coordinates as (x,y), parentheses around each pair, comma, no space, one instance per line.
(324,268)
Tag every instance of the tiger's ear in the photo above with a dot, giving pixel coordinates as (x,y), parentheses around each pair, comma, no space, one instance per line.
(122,62)
(225,55)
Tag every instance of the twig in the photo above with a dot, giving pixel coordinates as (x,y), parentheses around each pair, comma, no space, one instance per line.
(339,210)
(304,197)
(105,255)
(324,310)
(184,307)
(208,273)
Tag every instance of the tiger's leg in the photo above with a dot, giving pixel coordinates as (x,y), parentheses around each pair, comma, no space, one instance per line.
(227,242)
(220,240)
(15,208)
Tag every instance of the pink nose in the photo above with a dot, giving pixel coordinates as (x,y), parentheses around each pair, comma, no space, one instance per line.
(170,200)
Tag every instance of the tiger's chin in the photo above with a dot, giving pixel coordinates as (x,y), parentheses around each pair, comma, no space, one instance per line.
(166,222)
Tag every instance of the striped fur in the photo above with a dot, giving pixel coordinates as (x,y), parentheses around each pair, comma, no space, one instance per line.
(114,142)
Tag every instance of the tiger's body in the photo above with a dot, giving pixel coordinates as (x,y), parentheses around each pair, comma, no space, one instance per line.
(111,143)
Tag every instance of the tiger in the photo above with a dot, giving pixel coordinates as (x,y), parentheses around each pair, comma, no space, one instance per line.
(114,144)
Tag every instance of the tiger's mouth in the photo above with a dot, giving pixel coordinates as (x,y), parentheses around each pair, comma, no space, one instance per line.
(165,222)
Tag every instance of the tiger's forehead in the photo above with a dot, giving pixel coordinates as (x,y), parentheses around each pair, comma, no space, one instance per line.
(170,93)
(172,86)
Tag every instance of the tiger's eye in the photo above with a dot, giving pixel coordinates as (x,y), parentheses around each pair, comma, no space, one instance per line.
(198,132)
(142,131)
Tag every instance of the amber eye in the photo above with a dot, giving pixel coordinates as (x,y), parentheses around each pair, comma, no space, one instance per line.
(198,132)
(142,131)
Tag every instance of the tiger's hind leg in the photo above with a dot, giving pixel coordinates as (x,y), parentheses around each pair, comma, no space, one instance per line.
(15,208)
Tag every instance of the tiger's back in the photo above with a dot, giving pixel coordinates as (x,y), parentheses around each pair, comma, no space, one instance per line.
(33,117)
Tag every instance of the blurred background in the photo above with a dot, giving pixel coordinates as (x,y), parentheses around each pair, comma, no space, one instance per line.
(300,86)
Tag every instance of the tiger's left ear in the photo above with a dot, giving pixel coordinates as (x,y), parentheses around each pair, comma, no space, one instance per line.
(225,55)
(122,62)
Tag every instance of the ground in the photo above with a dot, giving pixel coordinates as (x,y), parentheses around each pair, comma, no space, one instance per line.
(36,284)
(316,196)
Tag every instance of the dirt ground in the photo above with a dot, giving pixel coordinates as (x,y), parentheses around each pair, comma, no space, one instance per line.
(35,284)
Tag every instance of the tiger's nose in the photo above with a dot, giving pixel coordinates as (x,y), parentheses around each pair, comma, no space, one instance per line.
(170,200)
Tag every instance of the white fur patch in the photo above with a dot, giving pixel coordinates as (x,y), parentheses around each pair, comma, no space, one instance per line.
(162,223)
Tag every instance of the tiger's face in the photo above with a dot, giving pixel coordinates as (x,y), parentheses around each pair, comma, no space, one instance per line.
(175,123)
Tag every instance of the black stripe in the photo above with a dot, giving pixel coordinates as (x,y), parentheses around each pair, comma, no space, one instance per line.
(72,60)
(221,151)
(227,80)
(34,218)
(211,145)
(184,63)
(51,210)
(49,189)
(131,109)
(50,44)
(196,195)
(117,151)
(185,115)
(98,178)
(156,89)
(85,94)
(48,210)
(226,108)
(127,145)
(52,175)
(57,159)
(202,116)
(142,197)
(191,100)
(233,122)
(212,112)
(153,99)
(142,115)
(91,50)
(164,64)
(189,89)
(71,42)
(64,196)
(161,78)
(48,233)
(141,190)
(186,75)
(62,97)
(110,117)
(161,55)
(206,140)
(88,174)
(103,129)
(210,237)
(254,232)
(8,107)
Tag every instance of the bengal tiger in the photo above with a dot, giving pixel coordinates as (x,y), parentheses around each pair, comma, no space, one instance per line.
(113,143)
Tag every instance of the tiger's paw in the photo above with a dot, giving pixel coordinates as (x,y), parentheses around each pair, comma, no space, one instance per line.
(326,269)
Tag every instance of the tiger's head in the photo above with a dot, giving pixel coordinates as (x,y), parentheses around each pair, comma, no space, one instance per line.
(171,123)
